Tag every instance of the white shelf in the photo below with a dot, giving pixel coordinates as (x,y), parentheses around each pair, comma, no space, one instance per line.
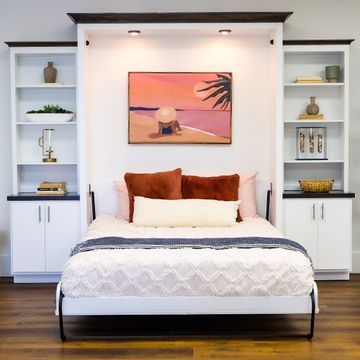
(29,67)
(310,121)
(45,123)
(46,163)
(43,86)
(30,92)
(313,161)
(29,99)
(314,85)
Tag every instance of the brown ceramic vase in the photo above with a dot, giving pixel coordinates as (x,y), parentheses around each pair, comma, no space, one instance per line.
(50,73)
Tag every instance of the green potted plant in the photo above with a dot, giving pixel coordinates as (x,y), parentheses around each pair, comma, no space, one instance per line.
(50,114)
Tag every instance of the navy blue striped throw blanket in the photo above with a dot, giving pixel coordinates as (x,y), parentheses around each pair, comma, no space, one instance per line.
(194,243)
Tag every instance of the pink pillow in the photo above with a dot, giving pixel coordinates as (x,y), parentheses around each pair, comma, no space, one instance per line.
(247,195)
(123,199)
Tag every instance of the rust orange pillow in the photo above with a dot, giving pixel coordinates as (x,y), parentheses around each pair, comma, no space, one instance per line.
(225,187)
(161,185)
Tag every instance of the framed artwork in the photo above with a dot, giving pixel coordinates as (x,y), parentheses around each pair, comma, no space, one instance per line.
(311,143)
(179,107)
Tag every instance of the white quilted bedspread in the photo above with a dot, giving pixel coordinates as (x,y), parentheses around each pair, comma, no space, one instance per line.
(186,272)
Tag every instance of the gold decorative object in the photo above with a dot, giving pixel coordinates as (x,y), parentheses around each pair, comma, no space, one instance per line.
(316,185)
(45,143)
(311,117)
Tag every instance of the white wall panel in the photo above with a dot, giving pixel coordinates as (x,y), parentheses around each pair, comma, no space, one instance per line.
(247,57)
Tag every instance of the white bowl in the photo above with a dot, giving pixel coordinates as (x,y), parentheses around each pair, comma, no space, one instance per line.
(49,118)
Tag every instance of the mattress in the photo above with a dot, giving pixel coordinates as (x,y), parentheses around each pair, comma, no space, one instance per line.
(186,272)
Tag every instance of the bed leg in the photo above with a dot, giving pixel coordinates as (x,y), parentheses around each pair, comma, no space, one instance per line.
(61,320)
(312,320)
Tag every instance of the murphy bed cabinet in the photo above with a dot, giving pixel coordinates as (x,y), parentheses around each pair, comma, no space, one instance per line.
(321,222)
(323,227)
(43,228)
(43,233)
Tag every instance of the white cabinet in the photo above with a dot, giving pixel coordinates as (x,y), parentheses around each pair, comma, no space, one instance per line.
(42,235)
(301,225)
(335,234)
(323,227)
(61,232)
(27,235)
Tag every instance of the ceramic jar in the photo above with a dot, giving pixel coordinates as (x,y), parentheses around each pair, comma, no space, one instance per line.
(50,73)
(332,73)
(312,108)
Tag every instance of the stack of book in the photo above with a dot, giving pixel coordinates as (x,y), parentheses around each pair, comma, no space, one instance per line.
(309,80)
(51,188)
(311,117)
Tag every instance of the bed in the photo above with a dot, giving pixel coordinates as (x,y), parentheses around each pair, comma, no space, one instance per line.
(186,280)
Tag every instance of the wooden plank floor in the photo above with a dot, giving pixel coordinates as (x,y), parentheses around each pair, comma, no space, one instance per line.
(29,330)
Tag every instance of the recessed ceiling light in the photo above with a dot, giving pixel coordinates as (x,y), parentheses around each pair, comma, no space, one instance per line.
(134,32)
(225,31)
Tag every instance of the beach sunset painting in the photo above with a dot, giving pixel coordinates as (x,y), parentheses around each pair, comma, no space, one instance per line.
(180,107)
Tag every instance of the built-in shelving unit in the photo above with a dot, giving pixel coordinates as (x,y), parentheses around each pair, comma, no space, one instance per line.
(29,92)
(332,98)
(313,219)
(44,228)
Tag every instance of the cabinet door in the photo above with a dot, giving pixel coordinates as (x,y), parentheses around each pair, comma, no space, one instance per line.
(301,225)
(335,234)
(62,232)
(27,236)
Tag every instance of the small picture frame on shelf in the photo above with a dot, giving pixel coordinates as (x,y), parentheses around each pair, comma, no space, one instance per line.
(311,143)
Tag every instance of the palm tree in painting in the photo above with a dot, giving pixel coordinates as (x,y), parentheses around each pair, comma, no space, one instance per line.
(220,86)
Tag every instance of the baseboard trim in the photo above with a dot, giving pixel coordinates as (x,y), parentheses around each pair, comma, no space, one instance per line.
(36,278)
(356,262)
(5,265)
(333,275)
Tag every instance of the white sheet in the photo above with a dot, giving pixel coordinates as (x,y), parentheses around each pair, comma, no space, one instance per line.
(186,272)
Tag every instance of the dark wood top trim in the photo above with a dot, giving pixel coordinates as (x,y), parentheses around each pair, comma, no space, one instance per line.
(319,42)
(41,43)
(179,17)
(297,194)
(33,197)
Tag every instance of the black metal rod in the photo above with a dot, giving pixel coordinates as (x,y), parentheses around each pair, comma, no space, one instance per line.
(173,336)
(93,208)
(61,320)
(256,336)
(312,320)
(268,197)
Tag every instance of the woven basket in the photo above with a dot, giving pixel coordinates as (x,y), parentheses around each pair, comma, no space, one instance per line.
(316,185)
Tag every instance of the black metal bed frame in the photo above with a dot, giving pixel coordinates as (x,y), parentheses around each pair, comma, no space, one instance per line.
(309,335)
(63,337)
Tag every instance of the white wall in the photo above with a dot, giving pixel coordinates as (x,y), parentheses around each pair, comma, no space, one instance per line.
(47,20)
(112,57)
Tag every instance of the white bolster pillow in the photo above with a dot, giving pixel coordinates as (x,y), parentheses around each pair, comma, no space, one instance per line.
(184,212)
